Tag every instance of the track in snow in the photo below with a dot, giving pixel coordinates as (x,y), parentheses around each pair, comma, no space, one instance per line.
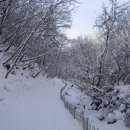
(37,108)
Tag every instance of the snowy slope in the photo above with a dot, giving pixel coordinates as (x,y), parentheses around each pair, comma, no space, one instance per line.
(33,104)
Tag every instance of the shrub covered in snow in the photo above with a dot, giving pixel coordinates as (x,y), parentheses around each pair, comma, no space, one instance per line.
(112,104)
(111,118)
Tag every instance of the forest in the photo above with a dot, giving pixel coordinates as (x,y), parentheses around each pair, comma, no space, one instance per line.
(32,36)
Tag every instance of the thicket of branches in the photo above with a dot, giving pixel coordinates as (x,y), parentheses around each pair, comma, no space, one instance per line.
(31,32)
(105,60)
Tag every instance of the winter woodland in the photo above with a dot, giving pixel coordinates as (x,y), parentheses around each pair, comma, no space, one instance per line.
(32,37)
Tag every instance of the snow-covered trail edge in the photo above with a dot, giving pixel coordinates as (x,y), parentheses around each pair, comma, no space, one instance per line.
(34,105)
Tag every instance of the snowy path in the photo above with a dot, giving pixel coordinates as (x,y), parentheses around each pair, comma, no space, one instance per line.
(35,108)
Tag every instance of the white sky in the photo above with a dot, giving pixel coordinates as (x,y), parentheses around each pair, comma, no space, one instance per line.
(84,18)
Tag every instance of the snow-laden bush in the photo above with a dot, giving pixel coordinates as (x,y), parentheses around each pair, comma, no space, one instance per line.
(114,100)
(111,118)
(111,105)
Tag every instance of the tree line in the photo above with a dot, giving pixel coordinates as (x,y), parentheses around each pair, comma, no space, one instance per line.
(31,32)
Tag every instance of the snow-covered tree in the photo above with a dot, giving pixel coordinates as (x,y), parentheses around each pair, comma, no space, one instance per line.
(33,27)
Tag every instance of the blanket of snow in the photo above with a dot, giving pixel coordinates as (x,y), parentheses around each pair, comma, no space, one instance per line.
(79,99)
(33,104)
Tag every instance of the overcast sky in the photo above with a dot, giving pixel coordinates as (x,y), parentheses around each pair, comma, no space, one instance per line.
(84,18)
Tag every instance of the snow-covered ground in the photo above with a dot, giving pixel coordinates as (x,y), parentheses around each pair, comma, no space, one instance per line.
(82,102)
(33,104)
